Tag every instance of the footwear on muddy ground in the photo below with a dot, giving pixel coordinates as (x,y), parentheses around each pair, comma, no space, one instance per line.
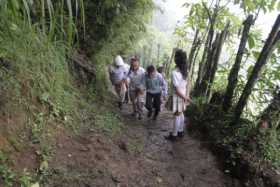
(150,113)
(154,117)
(120,104)
(181,134)
(170,137)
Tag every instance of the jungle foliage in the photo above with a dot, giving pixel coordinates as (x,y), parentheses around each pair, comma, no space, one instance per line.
(39,40)
(242,84)
(113,27)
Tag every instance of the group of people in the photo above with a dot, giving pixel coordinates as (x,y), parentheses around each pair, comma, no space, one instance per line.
(148,88)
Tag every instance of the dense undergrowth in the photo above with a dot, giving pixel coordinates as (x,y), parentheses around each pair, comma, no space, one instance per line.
(246,138)
(35,84)
(41,92)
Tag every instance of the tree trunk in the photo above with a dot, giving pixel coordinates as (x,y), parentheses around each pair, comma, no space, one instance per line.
(233,76)
(202,90)
(202,64)
(267,50)
(193,50)
(158,54)
(168,66)
(207,48)
(216,58)
(194,62)
(271,115)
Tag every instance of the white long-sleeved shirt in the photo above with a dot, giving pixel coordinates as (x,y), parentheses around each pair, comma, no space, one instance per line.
(178,82)
(118,74)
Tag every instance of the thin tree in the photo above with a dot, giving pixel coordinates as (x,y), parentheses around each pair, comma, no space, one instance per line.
(168,65)
(216,58)
(194,61)
(212,63)
(233,76)
(194,48)
(266,52)
(207,49)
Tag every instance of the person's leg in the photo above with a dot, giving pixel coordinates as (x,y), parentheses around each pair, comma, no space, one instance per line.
(118,91)
(182,125)
(176,125)
(126,97)
(132,95)
(122,93)
(149,104)
(140,104)
(156,104)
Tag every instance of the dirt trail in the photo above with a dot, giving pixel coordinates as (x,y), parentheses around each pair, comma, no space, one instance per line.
(140,157)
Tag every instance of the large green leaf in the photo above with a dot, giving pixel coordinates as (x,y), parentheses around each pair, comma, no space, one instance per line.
(251,41)
(249,5)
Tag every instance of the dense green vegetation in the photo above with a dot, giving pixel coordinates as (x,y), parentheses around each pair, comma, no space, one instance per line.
(250,65)
(39,78)
(43,92)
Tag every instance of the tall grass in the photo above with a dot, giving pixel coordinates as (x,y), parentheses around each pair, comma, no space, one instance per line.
(57,19)
(38,65)
(36,36)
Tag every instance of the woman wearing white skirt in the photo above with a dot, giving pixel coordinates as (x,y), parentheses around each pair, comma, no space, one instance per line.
(179,95)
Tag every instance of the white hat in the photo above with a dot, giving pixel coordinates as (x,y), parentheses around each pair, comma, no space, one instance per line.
(118,61)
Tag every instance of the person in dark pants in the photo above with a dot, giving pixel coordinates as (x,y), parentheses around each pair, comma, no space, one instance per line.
(155,86)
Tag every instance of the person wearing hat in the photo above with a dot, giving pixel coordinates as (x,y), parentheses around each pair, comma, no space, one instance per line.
(118,74)
(135,78)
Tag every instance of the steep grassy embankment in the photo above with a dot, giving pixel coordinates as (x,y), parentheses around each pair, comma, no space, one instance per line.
(47,90)
(44,94)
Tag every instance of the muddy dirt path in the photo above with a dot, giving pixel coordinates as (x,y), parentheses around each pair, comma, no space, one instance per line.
(139,157)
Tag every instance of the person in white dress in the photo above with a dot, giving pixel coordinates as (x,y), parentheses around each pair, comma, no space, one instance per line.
(179,94)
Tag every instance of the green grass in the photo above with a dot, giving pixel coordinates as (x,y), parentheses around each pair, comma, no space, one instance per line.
(37,84)
(109,123)
(6,173)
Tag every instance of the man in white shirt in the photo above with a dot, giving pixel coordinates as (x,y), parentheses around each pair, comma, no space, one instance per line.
(118,75)
(136,77)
